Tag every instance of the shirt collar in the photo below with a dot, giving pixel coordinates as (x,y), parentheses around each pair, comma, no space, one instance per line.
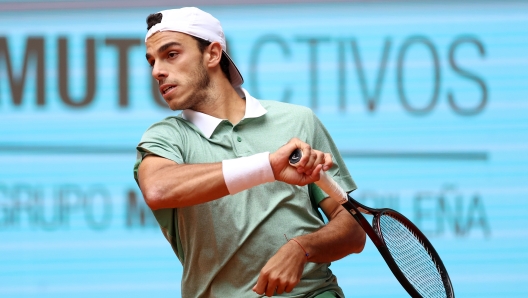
(207,123)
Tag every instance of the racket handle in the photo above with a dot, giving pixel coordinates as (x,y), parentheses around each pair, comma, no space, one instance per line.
(326,183)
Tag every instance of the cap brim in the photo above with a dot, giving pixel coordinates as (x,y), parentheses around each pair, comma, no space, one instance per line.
(236,78)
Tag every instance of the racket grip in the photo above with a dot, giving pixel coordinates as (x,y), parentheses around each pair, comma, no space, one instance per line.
(326,183)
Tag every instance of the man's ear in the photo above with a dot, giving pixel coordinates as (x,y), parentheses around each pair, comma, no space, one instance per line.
(214,54)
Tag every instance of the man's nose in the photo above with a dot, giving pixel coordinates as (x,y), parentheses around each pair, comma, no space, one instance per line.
(158,72)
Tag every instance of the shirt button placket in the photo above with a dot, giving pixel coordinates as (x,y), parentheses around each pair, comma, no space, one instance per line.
(240,147)
(238,138)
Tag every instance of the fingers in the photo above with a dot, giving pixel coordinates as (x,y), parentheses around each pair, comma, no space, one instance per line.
(308,168)
(268,285)
(270,290)
(260,287)
(312,158)
(328,163)
(316,172)
(282,272)
(281,289)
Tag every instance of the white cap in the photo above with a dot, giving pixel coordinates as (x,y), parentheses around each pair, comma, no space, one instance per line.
(197,23)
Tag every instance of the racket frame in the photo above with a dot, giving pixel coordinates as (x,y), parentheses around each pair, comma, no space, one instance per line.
(375,234)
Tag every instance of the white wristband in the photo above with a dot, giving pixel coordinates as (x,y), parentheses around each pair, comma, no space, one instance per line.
(245,172)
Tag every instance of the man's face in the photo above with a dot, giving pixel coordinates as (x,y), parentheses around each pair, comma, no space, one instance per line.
(177,65)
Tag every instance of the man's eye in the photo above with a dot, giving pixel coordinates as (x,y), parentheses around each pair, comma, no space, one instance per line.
(172,54)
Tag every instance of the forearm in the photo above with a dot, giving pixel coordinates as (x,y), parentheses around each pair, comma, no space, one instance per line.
(166,184)
(341,236)
(175,185)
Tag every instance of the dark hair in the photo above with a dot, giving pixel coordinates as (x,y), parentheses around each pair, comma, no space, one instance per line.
(155,18)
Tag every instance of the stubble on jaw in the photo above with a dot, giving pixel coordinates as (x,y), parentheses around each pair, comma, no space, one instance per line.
(200,83)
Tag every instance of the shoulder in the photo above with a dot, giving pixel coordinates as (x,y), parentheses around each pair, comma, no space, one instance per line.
(166,126)
(171,120)
(286,115)
(278,108)
(287,109)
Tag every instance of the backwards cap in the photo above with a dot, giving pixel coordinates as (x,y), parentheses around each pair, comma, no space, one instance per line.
(198,23)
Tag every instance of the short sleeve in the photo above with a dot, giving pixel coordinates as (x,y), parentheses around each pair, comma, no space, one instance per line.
(163,139)
(323,141)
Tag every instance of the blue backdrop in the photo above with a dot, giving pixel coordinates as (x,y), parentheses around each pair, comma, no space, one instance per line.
(427,103)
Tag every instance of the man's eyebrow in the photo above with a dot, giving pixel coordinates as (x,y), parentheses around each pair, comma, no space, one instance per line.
(163,48)
(168,45)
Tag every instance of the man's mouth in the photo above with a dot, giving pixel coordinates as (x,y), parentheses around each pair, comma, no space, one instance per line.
(166,89)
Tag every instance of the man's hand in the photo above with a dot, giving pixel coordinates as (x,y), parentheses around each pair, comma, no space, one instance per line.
(283,271)
(308,168)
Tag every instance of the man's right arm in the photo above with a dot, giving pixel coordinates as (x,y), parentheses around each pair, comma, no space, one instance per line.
(167,184)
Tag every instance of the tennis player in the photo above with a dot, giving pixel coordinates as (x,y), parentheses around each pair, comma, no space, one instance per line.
(242,221)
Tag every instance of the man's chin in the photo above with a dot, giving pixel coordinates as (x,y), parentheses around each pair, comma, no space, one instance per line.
(183,101)
(173,104)
(175,107)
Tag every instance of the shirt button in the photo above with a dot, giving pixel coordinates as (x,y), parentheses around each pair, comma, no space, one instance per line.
(239,139)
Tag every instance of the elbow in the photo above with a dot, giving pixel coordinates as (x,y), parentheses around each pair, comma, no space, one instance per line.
(160,196)
(360,240)
(153,197)
(361,244)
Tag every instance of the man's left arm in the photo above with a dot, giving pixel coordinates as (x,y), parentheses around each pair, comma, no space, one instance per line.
(341,236)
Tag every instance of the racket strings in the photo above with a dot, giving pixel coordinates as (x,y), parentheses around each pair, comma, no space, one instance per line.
(412,257)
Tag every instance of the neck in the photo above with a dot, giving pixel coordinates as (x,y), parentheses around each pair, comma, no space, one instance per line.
(223,102)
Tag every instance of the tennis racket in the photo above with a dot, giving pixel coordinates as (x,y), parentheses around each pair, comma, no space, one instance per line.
(409,255)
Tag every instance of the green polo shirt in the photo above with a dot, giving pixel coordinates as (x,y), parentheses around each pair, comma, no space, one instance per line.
(223,244)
